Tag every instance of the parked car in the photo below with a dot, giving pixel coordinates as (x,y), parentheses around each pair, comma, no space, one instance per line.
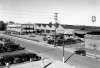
(44,38)
(80,51)
(33,56)
(50,42)
(1,38)
(32,35)
(43,34)
(79,41)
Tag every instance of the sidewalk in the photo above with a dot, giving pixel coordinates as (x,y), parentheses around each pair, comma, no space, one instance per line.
(36,64)
(44,64)
(58,64)
(92,52)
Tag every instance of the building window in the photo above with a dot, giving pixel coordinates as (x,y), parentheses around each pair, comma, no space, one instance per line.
(47,31)
(42,31)
(53,30)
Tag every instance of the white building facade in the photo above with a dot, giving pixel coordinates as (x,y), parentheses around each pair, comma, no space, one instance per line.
(13,28)
(20,28)
(44,28)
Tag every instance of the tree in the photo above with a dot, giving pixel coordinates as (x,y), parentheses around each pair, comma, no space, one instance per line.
(11,22)
(82,28)
(2,25)
(56,24)
(50,24)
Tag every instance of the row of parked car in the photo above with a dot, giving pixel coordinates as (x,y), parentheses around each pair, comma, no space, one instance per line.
(9,46)
(19,58)
(59,42)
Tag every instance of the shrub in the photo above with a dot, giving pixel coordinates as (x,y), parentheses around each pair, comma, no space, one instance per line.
(44,39)
(19,58)
(50,42)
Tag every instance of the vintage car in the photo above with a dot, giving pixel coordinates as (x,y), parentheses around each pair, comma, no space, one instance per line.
(80,51)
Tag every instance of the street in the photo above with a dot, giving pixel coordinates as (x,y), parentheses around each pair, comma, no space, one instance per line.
(55,53)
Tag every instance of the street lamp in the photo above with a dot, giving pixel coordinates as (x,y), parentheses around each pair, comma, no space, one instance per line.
(56,25)
(56,15)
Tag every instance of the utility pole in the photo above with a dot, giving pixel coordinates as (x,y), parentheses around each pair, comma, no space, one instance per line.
(56,18)
(56,24)
(93,20)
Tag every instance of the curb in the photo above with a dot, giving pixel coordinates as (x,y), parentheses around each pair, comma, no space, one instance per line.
(93,55)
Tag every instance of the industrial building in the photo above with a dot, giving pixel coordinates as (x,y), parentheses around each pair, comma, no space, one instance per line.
(44,28)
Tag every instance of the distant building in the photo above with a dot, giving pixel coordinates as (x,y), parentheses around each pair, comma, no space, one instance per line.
(20,28)
(27,28)
(14,28)
(46,28)
(42,28)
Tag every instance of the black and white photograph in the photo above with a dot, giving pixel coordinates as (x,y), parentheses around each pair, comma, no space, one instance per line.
(49,34)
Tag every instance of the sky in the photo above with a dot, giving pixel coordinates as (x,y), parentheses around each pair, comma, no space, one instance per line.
(72,12)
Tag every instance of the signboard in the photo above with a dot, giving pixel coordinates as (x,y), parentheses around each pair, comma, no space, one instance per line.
(69,31)
(60,31)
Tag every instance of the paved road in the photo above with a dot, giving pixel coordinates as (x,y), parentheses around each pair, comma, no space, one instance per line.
(81,61)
